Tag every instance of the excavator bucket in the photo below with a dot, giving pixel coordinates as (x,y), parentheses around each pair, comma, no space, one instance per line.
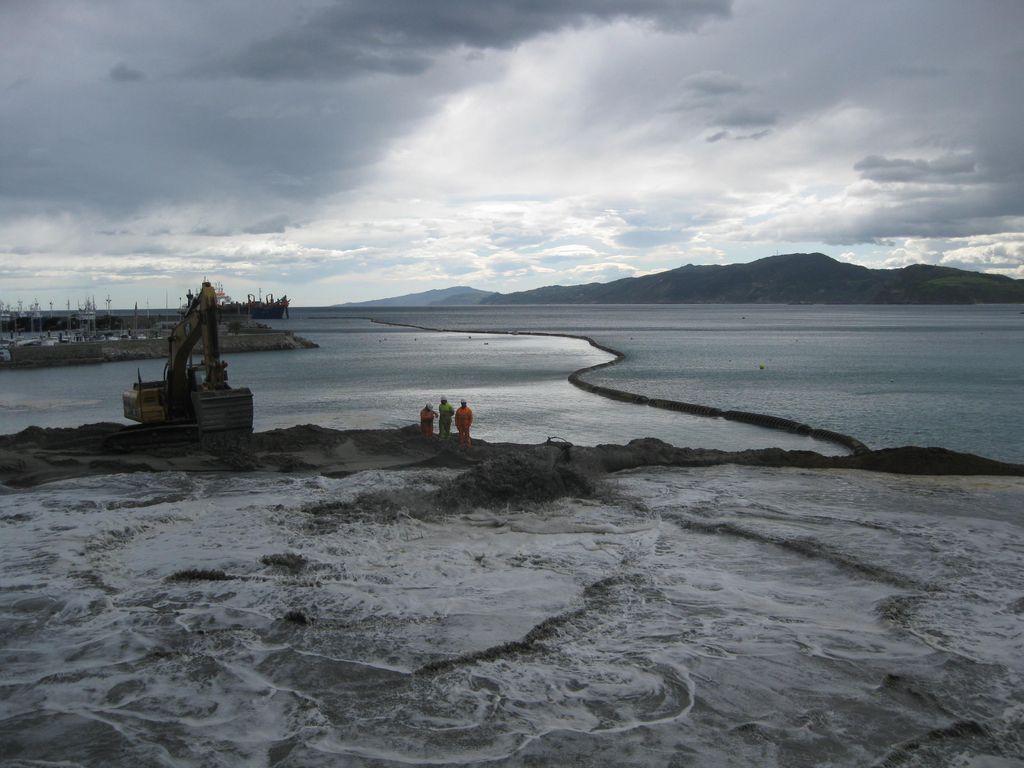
(223,410)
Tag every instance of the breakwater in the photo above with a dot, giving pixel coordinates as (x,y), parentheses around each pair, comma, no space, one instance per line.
(767,421)
(89,352)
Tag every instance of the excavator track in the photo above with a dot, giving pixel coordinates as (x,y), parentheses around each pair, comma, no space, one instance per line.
(147,436)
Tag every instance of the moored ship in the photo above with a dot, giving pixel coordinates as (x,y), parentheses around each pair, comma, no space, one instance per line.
(268,308)
(257,307)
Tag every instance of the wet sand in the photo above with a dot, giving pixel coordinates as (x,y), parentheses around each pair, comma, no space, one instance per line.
(36,456)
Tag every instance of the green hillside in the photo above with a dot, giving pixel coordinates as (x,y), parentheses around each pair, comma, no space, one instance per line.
(785,279)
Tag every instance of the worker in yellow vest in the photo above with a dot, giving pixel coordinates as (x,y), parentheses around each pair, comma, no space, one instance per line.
(445,412)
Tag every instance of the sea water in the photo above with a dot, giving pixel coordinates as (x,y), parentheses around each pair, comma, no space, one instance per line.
(721,616)
(944,376)
(888,376)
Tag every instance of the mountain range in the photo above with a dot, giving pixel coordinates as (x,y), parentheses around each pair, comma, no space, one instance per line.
(793,278)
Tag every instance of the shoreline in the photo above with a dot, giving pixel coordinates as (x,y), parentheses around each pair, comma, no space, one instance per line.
(764,420)
(36,456)
(117,350)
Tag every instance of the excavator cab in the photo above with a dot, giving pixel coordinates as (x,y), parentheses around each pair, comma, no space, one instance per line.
(144,402)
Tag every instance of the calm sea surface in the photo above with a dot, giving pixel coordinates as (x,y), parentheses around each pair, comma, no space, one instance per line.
(889,376)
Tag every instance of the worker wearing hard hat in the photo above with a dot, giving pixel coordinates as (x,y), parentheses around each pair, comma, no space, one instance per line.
(445,412)
(463,421)
(427,416)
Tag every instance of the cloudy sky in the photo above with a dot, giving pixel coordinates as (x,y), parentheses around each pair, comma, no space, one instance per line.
(349,150)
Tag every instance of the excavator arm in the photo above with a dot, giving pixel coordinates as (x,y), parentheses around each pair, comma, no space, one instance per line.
(199,323)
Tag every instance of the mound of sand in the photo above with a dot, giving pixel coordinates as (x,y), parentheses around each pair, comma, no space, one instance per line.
(499,473)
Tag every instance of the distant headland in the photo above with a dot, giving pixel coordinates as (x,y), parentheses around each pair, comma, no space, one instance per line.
(792,278)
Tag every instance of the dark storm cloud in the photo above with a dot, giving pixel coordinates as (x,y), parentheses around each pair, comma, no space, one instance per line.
(745,117)
(288,132)
(943,212)
(122,73)
(105,146)
(713,84)
(205,230)
(398,37)
(273,225)
(948,169)
(723,135)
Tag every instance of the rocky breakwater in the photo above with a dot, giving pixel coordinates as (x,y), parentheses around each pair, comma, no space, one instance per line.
(112,350)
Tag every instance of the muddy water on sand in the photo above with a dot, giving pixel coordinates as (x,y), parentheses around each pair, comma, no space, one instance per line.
(728,616)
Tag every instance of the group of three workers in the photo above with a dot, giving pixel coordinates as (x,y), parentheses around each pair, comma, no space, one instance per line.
(444,414)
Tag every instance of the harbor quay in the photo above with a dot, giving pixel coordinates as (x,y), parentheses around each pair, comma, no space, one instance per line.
(112,349)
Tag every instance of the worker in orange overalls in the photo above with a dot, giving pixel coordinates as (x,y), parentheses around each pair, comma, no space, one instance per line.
(463,421)
(427,416)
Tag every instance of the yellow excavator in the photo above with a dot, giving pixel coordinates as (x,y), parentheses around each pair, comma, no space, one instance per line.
(181,406)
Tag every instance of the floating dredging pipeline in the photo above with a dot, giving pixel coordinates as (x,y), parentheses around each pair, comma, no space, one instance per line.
(767,421)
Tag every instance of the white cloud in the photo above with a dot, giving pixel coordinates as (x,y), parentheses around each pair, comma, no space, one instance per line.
(1001,254)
